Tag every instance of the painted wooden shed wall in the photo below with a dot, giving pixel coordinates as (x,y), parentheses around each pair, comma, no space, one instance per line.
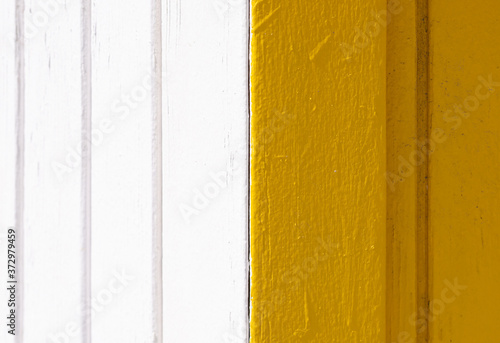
(370,163)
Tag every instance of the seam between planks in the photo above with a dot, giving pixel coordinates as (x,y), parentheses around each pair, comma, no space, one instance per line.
(249,167)
(422,235)
(389,264)
(86,171)
(157,182)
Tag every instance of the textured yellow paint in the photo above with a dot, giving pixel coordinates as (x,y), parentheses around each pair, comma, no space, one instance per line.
(464,187)
(318,162)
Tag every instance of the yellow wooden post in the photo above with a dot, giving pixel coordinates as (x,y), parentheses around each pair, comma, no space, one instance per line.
(318,188)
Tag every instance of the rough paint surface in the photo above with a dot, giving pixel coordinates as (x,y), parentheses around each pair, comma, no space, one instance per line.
(318,190)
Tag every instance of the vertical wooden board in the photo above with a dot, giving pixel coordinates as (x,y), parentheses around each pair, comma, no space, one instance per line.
(205,171)
(402,164)
(124,84)
(464,177)
(8,114)
(54,267)
(318,162)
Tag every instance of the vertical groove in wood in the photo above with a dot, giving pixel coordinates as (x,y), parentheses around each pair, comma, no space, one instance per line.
(157,183)
(19,178)
(86,169)
(422,87)
(249,171)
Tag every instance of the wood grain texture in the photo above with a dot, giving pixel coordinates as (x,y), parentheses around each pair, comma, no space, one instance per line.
(318,188)
(464,194)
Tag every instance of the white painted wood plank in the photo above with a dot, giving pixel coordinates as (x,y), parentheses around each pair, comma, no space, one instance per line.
(205,171)
(125,165)
(8,115)
(54,218)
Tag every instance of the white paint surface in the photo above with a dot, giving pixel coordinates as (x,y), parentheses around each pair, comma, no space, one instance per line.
(205,137)
(8,91)
(93,220)
(123,169)
(54,274)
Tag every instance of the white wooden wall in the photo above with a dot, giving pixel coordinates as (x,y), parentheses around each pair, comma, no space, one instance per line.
(123,141)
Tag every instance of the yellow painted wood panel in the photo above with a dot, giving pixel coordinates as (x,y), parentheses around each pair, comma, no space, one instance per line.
(318,188)
(464,187)
(374,171)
